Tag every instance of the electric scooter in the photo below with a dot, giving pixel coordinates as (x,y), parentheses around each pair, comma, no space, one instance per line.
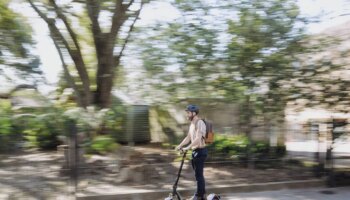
(175,195)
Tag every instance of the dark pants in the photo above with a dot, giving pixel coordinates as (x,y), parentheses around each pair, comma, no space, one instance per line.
(198,158)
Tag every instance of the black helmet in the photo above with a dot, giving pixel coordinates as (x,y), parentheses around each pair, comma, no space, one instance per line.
(192,108)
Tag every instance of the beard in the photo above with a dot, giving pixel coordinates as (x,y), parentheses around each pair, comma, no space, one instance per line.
(190,118)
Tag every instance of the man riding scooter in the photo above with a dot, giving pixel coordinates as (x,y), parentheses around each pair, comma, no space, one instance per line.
(195,137)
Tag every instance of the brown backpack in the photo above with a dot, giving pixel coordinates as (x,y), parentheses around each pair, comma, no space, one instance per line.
(209,134)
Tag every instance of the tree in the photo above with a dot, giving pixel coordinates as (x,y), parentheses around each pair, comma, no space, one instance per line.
(15,40)
(70,31)
(321,81)
(259,42)
(265,42)
(181,58)
(257,59)
(255,51)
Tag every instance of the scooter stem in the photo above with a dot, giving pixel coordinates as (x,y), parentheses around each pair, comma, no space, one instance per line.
(179,173)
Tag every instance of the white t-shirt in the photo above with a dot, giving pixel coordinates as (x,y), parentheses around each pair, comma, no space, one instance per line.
(196,135)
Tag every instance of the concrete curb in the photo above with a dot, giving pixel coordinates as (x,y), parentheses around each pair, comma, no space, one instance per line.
(218,189)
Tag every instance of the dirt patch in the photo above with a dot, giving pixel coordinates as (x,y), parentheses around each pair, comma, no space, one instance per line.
(32,175)
(150,167)
(39,175)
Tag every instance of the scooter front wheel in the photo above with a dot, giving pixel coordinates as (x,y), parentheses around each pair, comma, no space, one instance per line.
(177,197)
(173,197)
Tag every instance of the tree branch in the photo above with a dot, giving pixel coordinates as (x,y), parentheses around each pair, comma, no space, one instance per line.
(75,54)
(137,14)
(18,87)
(128,5)
(118,19)
(93,8)
(65,21)
(69,78)
(52,27)
(41,14)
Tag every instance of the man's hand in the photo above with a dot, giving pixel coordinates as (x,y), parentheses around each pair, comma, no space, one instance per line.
(178,148)
(186,149)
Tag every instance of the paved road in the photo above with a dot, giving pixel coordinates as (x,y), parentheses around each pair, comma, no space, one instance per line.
(341,193)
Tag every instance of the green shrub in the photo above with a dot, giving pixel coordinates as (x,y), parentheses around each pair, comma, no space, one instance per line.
(230,144)
(239,146)
(40,130)
(5,118)
(102,144)
(7,135)
(53,126)
(114,120)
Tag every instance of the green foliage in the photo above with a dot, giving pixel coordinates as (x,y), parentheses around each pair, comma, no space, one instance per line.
(182,54)
(40,130)
(15,38)
(115,118)
(239,146)
(265,41)
(28,125)
(6,129)
(244,52)
(231,145)
(102,144)
(14,30)
(52,126)
(5,119)
(89,120)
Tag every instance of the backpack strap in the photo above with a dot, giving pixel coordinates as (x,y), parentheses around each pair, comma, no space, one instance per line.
(196,125)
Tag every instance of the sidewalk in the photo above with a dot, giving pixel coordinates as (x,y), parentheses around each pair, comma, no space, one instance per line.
(125,193)
(320,193)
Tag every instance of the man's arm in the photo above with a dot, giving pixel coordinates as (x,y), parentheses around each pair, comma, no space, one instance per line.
(185,141)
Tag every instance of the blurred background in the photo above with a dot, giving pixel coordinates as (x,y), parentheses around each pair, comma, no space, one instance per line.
(93,92)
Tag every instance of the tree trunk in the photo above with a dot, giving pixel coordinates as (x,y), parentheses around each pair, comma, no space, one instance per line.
(248,117)
(104,78)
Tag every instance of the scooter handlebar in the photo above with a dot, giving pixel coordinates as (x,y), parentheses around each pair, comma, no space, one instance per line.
(182,151)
